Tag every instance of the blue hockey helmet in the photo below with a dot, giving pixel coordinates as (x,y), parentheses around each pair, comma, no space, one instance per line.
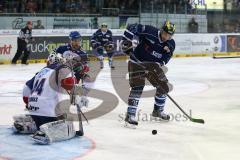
(74,35)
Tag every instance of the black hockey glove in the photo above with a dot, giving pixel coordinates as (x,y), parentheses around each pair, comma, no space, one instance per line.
(127,47)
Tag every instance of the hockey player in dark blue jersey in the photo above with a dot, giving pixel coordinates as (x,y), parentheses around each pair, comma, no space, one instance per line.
(74,49)
(102,41)
(154,50)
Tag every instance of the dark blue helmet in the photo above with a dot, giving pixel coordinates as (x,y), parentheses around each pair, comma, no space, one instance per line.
(74,35)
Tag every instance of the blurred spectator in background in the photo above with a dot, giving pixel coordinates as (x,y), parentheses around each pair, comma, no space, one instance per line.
(112,3)
(21,6)
(1,6)
(94,22)
(39,25)
(229,5)
(231,28)
(40,5)
(73,6)
(189,6)
(169,6)
(48,6)
(92,6)
(130,7)
(193,26)
(14,7)
(79,6)
(68,6)
(228,25)
(237,28)
(217,28)
(31,6)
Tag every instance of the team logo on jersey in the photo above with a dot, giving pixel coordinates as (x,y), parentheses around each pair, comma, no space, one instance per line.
(156,54)
(32,108)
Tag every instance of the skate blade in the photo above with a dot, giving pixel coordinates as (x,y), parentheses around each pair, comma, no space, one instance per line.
(130,126)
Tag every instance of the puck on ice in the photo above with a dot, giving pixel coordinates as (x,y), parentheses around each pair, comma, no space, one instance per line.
(154,132)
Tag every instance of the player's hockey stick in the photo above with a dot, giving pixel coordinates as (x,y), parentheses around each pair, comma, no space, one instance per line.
(195,120)
(189,117)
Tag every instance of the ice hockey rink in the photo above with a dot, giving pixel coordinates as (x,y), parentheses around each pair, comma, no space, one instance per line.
(206,87)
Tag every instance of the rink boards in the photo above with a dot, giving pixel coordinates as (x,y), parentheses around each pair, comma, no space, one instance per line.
(187,45)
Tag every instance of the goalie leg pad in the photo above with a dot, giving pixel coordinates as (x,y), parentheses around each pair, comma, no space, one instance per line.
(24,124)
(54,131)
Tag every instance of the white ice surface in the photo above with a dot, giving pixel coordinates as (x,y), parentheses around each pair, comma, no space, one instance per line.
(209,88)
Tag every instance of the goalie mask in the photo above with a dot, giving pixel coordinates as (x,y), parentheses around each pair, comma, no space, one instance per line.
(54,58)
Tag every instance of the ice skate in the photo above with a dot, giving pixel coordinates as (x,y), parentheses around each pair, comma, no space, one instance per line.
(161,115)
(130,121)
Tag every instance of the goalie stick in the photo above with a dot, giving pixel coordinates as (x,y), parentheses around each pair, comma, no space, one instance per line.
(80,132)
(195,120)
(79,111)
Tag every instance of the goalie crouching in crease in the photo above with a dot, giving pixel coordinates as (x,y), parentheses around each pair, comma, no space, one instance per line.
(43,95)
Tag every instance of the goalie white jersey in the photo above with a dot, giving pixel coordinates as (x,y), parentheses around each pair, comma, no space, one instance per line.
(46,95)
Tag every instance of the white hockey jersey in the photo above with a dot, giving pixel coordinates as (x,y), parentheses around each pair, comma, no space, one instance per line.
(47,98)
